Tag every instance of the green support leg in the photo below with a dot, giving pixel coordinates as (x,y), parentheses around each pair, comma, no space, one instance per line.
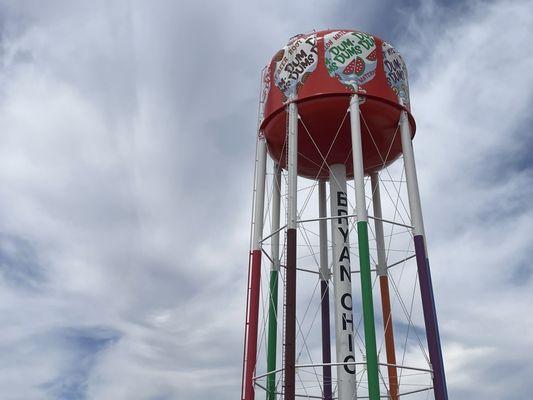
(272,335)
(368,311)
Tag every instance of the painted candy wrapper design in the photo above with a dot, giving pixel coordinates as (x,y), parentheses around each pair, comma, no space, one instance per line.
(294,63)
(396,73)
(351,57)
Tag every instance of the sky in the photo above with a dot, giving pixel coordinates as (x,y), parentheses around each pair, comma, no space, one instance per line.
(127,136)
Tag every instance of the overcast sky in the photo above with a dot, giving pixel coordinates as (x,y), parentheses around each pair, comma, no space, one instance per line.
(127,134)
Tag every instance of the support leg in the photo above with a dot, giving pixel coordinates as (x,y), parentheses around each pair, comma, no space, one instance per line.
(324,291)
(384,289)
(424,274)
(254,278)
(364,252)
(273,303)
(342,284)
(290,279)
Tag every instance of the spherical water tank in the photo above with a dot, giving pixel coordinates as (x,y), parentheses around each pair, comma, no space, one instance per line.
(320,71)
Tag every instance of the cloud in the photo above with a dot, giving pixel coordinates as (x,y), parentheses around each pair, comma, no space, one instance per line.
(475,174)
(19,264)
(127,135)
(84,346)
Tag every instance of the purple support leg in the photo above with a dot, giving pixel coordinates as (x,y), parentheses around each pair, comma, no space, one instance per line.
(326,340)
(430,319)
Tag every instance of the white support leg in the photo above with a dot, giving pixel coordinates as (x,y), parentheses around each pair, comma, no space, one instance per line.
(290,277)
(276,196)
(323,232)
(342,284)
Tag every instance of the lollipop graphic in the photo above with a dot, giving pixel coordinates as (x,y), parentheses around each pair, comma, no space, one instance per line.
(350,57)
(396,73)
(294,63)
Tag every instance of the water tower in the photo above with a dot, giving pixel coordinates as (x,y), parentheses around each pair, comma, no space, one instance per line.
(334,107)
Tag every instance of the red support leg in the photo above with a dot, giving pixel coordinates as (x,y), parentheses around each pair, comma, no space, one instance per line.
(252,321)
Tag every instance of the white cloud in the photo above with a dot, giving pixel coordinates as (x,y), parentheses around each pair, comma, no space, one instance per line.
(126,134)
(471,100)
